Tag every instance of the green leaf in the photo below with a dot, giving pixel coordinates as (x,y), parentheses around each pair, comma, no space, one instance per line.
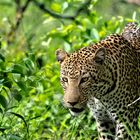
(9,108)
(18,68)
(95,34)
(21,117)
(7,82)
(65,5)
(1,111)
(2,129)
(2,57)
(29,64)
(22,85)
(56,7)
(16,95)
(14,137)
(3,101)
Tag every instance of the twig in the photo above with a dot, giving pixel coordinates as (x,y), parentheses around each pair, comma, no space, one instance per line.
(134,102)
(55,15)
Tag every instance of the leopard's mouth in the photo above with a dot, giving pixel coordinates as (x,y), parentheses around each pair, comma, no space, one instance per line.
(77,110)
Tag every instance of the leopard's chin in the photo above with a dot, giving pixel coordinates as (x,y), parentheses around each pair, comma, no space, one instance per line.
(76,111)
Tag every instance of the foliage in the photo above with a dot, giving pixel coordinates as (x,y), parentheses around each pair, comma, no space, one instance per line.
(30,93)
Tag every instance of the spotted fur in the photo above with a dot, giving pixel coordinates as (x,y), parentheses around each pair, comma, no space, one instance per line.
(106,78)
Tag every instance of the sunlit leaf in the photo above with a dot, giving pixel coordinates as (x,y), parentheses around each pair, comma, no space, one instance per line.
(95,34)
(56,7)
(67,46)
(21,117)
(65,6)
(9,108)
(14,137)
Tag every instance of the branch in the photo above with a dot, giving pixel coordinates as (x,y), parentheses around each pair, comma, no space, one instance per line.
(42,7)
(20,12)
(21,9)
(19,15)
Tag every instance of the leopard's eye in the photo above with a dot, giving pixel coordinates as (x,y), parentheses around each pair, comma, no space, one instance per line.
(84,79)
(64,79)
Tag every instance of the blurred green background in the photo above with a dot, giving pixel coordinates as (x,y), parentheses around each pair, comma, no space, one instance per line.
(30,32)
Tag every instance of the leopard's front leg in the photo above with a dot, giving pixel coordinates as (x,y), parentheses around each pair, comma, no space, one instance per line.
(106,129)
(121,132)
(105,125)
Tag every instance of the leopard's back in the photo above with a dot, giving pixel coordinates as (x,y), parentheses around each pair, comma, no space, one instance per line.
(131,33)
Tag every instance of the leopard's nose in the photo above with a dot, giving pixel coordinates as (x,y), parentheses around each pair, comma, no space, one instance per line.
(72,103)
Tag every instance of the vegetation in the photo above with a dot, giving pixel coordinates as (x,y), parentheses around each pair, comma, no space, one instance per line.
(30,32)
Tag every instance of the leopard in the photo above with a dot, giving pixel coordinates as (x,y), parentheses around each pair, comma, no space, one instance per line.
(105,77)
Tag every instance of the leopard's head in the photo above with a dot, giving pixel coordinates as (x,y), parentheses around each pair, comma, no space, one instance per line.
(82,74)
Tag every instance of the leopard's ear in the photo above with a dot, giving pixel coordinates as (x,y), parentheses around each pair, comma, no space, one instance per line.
(61,55)
(100,55)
